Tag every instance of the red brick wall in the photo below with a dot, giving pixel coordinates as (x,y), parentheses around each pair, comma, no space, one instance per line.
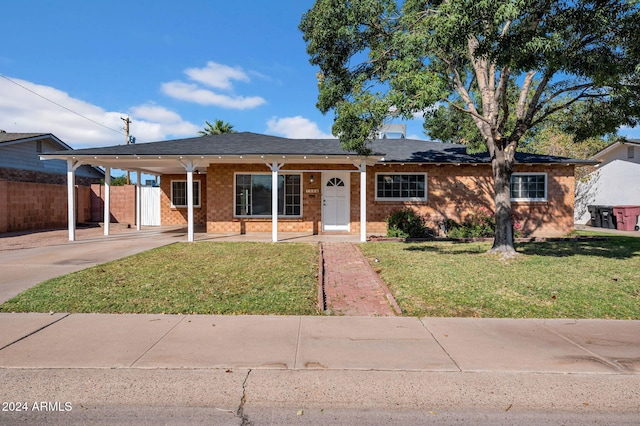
(221,201)
(452,192)
(122,204)
(178,216)
(28,206)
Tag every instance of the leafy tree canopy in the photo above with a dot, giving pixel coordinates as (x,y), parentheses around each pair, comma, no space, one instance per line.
(508,65)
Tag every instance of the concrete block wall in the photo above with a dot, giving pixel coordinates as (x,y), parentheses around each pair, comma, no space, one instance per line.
(122,204)
(28,206)
(4,206)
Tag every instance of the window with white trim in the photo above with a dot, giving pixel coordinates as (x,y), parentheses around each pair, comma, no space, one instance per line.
(253,194)
(401,186)
(179,193)
(529,187)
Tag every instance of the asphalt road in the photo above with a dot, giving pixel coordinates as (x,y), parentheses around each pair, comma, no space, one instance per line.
(283,397)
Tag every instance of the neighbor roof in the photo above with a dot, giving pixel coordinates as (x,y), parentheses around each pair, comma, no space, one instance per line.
(246,143)
(614,145)
(26,137)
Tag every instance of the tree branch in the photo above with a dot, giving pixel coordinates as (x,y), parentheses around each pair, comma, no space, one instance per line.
(524,92)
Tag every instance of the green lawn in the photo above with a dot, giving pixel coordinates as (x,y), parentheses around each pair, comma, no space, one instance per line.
(583,279)
(574,279)
(187,278)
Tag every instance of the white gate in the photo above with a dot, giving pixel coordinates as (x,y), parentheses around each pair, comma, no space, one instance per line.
(150,206)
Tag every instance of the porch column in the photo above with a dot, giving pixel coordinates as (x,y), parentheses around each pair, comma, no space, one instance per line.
(363,201)
(71,197)
(274,204)
(138,200)
(275,167)
(107,199)
(190,227)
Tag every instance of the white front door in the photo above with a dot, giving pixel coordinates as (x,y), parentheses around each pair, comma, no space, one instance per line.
(335,201)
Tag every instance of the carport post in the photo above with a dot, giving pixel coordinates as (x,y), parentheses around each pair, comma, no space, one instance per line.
(138,200)
(71,197)
(107,199)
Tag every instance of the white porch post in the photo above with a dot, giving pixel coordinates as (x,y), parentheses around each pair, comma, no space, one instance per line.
(190,227)
(363,201)
(275,167)
(138,200)
(107,199)
(71,198)
(274,203)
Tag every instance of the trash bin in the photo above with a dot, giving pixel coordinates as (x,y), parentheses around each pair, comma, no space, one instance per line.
(607,217)
(595,216)
(626,217)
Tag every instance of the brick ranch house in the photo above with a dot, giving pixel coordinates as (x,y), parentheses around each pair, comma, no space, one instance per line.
(225,183)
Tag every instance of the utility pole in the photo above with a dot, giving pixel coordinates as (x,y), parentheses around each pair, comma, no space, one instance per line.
(126,129)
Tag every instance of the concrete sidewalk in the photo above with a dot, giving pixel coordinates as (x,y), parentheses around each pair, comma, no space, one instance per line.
(181,369)
(319,343)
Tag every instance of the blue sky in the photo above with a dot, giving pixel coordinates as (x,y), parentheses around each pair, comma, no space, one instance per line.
(167,65)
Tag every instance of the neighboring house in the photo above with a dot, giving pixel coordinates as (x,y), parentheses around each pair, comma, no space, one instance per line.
(33,193)
(20,160)
(322,188)
(614,182)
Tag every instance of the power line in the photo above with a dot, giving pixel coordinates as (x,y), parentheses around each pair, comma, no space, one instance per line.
(61,106)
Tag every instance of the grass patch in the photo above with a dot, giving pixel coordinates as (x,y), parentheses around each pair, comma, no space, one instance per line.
(565,279)
(187,278)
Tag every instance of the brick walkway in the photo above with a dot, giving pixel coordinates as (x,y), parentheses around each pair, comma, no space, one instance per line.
(351,287)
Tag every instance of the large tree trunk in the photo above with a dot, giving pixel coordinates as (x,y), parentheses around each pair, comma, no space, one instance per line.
(502,170)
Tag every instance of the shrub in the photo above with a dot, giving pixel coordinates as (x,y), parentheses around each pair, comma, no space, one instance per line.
(479,224)
(406,223)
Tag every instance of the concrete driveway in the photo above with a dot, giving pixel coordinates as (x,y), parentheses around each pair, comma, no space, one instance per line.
(29,259)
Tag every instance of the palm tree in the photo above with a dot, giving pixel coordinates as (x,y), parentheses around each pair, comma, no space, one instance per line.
(218,128)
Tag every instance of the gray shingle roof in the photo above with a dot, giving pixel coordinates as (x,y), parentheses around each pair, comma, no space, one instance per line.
(246,143)
(10,137)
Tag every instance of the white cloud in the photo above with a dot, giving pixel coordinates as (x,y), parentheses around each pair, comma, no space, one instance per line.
(296,127)
(193,93)
(157,113)
(217,76)
(79,123)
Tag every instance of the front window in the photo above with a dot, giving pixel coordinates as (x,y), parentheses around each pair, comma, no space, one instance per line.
(179,193)
(253,195)
(401,187)
(529,187)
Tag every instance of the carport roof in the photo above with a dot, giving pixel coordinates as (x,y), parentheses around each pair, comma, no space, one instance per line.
(253,147)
